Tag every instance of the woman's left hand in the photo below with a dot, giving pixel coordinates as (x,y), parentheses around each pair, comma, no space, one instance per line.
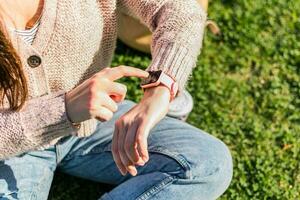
(129,143)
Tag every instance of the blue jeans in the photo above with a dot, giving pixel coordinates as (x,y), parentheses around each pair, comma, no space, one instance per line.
(185,163)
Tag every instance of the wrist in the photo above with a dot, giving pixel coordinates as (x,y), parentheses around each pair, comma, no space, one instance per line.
(158,91)
(76,125)
(160,78)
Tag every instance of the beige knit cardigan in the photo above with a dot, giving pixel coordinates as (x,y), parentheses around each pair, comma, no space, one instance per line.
(76,39)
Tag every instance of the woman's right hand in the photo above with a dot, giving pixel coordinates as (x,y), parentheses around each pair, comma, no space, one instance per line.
(97,97)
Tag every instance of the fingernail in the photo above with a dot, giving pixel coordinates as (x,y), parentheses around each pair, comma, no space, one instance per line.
(124,173)
(140,163)
(145,159)
(132,170)
(133,173)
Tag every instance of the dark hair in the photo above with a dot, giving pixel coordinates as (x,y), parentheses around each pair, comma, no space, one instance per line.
(13,83)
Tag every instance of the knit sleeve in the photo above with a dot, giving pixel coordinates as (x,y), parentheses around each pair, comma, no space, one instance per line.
(37,124)
(178,29)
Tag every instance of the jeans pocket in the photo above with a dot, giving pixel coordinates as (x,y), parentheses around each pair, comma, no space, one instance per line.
(180,159)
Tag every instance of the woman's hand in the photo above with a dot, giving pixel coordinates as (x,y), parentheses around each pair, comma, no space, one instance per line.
(98,96)
(129,144)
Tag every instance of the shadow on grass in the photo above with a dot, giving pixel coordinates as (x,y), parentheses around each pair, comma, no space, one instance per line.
(65,187)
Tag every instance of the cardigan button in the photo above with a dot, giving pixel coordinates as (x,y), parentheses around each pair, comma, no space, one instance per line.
(34,61)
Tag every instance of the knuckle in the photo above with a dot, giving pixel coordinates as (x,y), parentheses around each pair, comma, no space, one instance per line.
(106,83)
(122,68)
(103,81)
(93,87)
(106,70)
(95,79)
(97,75)
(100,77)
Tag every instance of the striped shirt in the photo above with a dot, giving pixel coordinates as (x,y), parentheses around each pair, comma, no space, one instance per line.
(28,35)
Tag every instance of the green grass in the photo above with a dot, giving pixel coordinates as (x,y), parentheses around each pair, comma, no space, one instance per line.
(247,92)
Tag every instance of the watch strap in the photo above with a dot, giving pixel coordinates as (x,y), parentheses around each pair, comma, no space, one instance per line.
(170,83)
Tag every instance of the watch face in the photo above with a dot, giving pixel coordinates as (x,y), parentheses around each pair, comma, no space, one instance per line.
(152,78)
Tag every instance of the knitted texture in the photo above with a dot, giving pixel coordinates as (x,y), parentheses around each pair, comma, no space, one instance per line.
(178,28)
(75,40)
(42,120)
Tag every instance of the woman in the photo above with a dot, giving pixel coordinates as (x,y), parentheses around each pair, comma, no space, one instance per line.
(62,108)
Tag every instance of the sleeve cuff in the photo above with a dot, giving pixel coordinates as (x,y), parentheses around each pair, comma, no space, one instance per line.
(45,119)
(175,60)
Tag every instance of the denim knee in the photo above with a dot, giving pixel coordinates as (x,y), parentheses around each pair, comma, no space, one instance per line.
(205,162)
(215,169)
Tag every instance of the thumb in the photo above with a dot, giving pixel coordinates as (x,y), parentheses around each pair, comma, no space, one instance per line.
(142,142)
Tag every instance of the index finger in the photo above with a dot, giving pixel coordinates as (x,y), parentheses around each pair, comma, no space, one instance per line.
(125,71)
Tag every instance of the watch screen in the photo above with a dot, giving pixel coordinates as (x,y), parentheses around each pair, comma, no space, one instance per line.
(152,78)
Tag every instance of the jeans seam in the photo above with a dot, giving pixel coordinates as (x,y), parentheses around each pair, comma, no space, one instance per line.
(177,157)
(156,188)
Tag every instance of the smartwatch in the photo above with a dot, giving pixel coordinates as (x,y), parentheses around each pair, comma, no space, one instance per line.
(157,78)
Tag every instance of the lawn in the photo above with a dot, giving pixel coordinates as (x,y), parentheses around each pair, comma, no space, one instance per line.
(246,88)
